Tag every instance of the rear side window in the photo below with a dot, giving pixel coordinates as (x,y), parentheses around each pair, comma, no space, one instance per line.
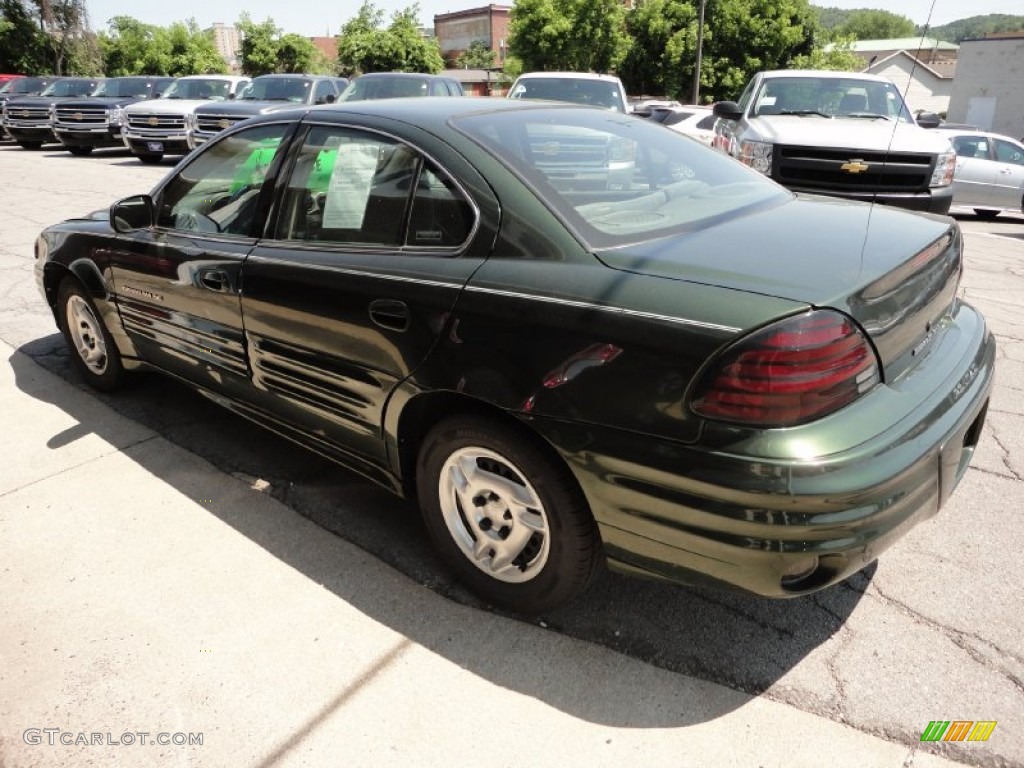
(358,188)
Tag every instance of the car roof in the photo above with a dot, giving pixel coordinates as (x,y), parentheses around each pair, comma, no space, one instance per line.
(825,74)
(418,75)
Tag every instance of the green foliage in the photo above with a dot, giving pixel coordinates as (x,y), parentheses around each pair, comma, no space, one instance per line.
(22,46)
(364,45)
(478,56)
(259,45)
(64,26)
(741,37)
(296,53)
(134,48)
(876,25)
(571,35)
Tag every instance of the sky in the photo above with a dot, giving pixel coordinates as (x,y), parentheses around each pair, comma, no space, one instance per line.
(325,17)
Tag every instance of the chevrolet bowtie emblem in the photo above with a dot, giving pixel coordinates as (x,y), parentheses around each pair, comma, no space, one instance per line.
(154,121)
(854,166)
(78,116)
(224,124)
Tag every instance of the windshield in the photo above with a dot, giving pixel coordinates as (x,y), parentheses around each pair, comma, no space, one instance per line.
(616,179)
(24,85)
(123,87)
(599,93)
(204,89)
(278,89)
(384,88)
(70,88)
(830,97)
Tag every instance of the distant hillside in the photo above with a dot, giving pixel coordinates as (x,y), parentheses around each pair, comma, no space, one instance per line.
(954,32)
(977,26)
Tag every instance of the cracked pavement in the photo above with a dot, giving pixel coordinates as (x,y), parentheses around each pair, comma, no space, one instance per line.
(932,631)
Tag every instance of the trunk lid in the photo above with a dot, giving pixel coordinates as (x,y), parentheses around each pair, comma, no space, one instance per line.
(895,272)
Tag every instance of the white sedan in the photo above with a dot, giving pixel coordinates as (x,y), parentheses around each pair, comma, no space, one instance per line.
(989,176)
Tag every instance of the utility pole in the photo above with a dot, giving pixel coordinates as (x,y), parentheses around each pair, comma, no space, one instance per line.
(700,50)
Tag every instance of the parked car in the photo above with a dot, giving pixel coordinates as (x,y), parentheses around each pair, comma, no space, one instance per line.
(573,87)
(676,375)
(393,85)
(691,120)
(81,125)
(847,134)
(265,93)
(161,127)
(989,176)
(19,86)
(28,118)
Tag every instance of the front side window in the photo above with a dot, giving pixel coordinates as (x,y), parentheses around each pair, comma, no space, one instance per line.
(356,188)
(218,192)
(323,90)
(971,146)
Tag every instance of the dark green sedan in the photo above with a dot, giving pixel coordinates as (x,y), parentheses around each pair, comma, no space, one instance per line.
(574,337)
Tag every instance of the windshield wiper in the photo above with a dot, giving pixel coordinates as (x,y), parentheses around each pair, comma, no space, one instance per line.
(867,115)
(805,112)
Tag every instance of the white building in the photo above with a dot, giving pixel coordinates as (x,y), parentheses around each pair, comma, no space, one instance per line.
(989,87)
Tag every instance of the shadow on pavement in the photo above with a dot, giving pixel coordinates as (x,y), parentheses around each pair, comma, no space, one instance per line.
(743,642)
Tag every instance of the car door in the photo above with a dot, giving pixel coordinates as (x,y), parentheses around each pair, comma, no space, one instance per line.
(975,173)
(177,283)
(373,242)
(1008,184)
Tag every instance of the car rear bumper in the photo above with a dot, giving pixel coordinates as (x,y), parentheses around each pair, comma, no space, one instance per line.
(769,520)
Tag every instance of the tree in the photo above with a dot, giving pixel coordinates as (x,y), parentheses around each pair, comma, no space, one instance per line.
(22,47)
(132,48)
(259,45)
(478,56)
(64,23)
(741,37)
(365,46)
(572,35)
(869,24)
(837,55)
(190,51)
(296,53)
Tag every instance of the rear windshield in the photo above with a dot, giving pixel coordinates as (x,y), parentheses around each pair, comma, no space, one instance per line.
(616,179)
(597,93)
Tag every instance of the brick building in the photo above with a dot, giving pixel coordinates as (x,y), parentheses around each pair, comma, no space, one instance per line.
(456,31)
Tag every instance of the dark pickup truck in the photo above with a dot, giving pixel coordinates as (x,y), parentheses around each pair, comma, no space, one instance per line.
(27,118)
(265,93)
(81,125)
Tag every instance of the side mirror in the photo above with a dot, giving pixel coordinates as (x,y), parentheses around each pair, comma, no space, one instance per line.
(331,98)
(928,120)
(131,213)
(727,110)
(231,96)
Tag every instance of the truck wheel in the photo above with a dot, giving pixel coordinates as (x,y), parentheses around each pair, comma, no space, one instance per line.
(80,151)
(150,158)
(31,145)
(985,213)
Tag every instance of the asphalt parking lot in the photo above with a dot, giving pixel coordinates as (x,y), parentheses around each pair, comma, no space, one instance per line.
(933,631)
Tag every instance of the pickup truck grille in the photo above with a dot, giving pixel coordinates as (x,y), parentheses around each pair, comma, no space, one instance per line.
(28,115)
(156,122)
(217,123)
(70,116)
(817,168)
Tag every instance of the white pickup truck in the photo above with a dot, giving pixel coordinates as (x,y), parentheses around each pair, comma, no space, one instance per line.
(846,134)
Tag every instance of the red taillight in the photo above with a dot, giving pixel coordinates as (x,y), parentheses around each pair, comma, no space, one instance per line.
(792,372)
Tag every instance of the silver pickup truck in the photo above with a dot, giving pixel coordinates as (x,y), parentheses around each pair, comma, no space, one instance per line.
(846,134)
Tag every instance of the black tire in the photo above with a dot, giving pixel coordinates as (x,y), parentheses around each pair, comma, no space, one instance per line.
(986,214)
(150,158)
(33,146)
(92,347)
(553,536)
(80,151)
